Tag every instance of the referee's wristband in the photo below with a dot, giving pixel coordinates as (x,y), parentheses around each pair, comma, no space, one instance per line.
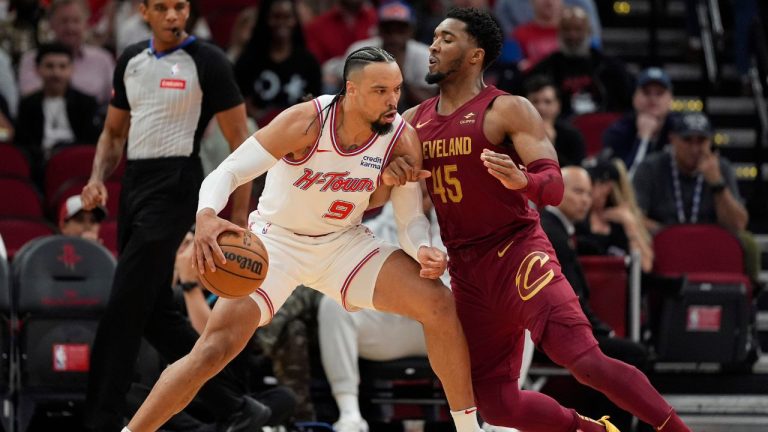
(187,286)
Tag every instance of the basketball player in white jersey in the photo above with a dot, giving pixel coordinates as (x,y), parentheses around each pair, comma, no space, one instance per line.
(325,159)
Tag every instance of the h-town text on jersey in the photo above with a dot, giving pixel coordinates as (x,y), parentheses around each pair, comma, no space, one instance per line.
(334,181)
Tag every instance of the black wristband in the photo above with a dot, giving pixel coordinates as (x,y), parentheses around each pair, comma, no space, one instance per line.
(718,187)
(187,286)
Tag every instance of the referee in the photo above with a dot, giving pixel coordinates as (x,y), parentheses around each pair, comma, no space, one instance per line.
(165,92)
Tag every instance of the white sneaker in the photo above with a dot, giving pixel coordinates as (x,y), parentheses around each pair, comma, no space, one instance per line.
(491,428)
(351,425)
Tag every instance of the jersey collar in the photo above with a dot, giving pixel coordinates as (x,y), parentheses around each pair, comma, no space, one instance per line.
(160,54)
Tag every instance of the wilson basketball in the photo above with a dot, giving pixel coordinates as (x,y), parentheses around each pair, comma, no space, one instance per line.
(246,267)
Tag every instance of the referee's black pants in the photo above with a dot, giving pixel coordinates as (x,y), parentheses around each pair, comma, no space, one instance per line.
(157,207)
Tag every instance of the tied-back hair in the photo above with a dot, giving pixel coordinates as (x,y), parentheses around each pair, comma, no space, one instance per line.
(356,60)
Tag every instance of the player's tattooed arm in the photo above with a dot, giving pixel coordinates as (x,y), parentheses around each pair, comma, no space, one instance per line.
(405,165)
(293,130)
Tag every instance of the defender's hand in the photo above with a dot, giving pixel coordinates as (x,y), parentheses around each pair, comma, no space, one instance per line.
(502,167)
(94,194)
(433,262)
(208,226)
(400,171)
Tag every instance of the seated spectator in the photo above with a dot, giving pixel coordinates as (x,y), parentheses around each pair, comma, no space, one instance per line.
(331,33)
(558,223)
(513,13)
(93,66)
(588,80)
(538,38)
(646,130)
(280,75)
(614,225)
(691,183)
(78,222)
(396,28)
(58,114)
(568,141)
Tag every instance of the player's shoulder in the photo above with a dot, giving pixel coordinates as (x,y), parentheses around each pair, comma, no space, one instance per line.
(509,103)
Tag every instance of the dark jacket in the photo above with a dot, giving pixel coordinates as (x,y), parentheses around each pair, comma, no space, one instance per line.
(571,268)
(82,112)
(620,140)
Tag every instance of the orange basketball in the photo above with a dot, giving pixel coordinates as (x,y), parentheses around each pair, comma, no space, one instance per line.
(246,267)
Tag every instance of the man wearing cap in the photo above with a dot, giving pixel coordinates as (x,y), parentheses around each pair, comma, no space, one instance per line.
(397,24)
(646,130)
(690,183)
(78,222)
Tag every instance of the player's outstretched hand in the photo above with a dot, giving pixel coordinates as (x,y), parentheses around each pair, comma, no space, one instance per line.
(502,167)
(433,262)
(94,194)
(208,226)
(400,171)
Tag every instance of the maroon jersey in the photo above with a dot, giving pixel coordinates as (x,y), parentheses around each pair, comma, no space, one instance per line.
(472,206)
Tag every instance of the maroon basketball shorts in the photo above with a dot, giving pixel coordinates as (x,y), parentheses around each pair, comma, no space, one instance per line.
(506,287)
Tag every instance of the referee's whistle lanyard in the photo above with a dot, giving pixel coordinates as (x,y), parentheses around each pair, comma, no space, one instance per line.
(679,195)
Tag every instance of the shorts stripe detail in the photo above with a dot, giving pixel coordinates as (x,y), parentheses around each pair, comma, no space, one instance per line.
(267,300)
(352,274)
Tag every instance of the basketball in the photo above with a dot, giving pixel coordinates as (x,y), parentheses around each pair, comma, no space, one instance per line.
(246,267)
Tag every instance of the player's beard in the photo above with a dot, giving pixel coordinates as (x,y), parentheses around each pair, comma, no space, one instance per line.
(381,128)
(436,77)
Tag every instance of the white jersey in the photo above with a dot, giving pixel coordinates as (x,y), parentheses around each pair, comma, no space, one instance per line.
(329,188)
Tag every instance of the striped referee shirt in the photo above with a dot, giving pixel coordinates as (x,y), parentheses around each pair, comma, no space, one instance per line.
(172,96)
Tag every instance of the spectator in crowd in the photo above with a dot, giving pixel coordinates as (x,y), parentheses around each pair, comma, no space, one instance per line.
(75,221)
(275,71)
(513,13)
(396,28)
(646,130)
(241,32)
(558,223)
(3,251)
(538,38)
(93,66)
(568,141)
(19,31)
(691,183)
(58,114)
(9,91)
(614,225)
(588,80)
(331,33)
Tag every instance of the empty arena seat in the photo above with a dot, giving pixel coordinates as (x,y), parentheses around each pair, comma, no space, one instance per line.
(701,252)
(608,281)
(19,198)
(592,126)
(13,163)
(17,232)
(73,162)
(61,287)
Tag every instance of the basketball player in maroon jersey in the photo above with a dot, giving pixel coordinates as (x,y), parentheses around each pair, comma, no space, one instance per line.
(489,155)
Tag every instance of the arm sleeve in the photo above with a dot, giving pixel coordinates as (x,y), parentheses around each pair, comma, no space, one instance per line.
(247,162)
(412,224)
(545,183)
